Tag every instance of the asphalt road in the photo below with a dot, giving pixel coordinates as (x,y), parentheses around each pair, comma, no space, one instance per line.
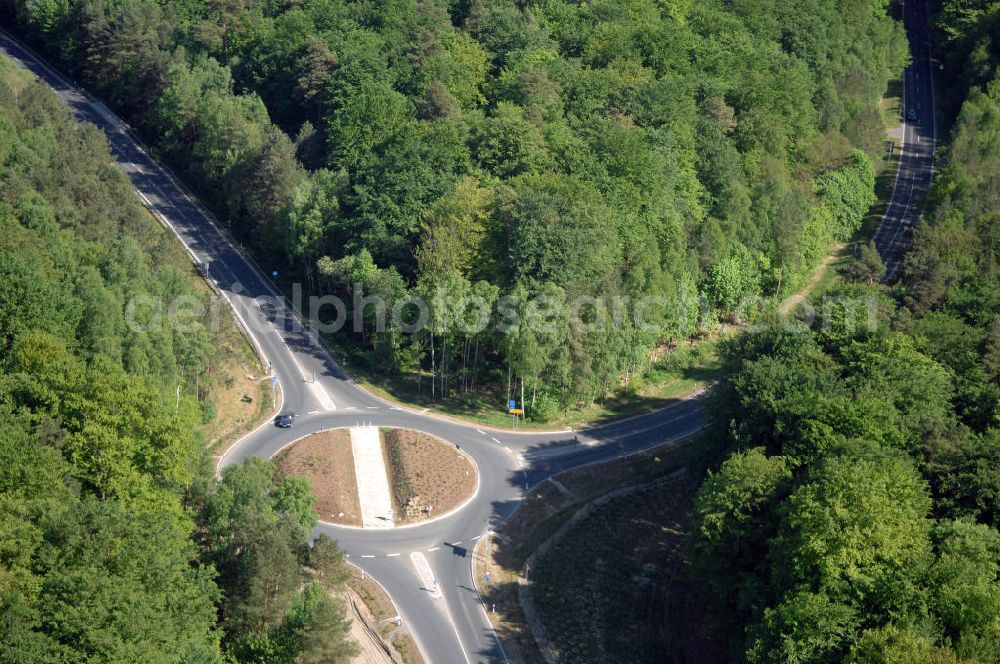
(916,164)
(452,627)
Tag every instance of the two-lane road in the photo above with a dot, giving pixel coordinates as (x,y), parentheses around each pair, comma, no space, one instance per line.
(916,159)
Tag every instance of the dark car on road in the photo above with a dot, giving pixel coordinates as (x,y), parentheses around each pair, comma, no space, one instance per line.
(912,115)
(284,421)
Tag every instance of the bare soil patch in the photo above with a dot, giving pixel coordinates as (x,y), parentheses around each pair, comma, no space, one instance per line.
(428,476)
(326,460)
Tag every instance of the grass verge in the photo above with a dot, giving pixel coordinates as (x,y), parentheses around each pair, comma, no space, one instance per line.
(676,372)
(232,392)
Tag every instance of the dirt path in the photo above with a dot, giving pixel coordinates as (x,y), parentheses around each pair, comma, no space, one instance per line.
(792,301)
(372,650)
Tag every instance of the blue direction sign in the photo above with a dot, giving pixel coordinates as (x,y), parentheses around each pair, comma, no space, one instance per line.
(274,382)
(274,273)
(512,404)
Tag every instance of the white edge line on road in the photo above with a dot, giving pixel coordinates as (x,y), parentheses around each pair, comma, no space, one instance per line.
(482,606)
(399,612)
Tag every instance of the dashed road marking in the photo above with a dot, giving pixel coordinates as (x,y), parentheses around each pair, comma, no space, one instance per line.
(434,548)
(391,555)
(496,441)
(481,432)
(368,556)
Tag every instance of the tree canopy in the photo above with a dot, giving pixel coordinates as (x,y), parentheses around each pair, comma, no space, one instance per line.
(596,150)
(110,523)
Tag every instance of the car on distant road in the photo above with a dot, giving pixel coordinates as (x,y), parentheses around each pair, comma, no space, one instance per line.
(911,115)
(284,421)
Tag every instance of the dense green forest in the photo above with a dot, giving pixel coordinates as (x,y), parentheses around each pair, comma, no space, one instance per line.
(698,153)
(116,543)
(855,515)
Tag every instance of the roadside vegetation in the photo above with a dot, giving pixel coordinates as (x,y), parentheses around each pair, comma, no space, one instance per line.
(624,598)
(546,509)
(383,614)
(700,154)
(116,542)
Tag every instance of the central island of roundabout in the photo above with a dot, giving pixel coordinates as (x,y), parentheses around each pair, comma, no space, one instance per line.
(380,477)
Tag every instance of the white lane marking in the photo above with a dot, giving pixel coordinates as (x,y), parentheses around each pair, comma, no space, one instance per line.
(434,548)
(507,448)
(391,555)
(481,432)
(351,408)
(496,441)
(368,556)
(69,92)
(312,412)
(476,537)
(426,575)
(372,407)
(325,402)
(457,543)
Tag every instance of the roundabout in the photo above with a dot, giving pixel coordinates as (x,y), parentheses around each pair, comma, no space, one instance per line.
(421,476)
(447,619)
